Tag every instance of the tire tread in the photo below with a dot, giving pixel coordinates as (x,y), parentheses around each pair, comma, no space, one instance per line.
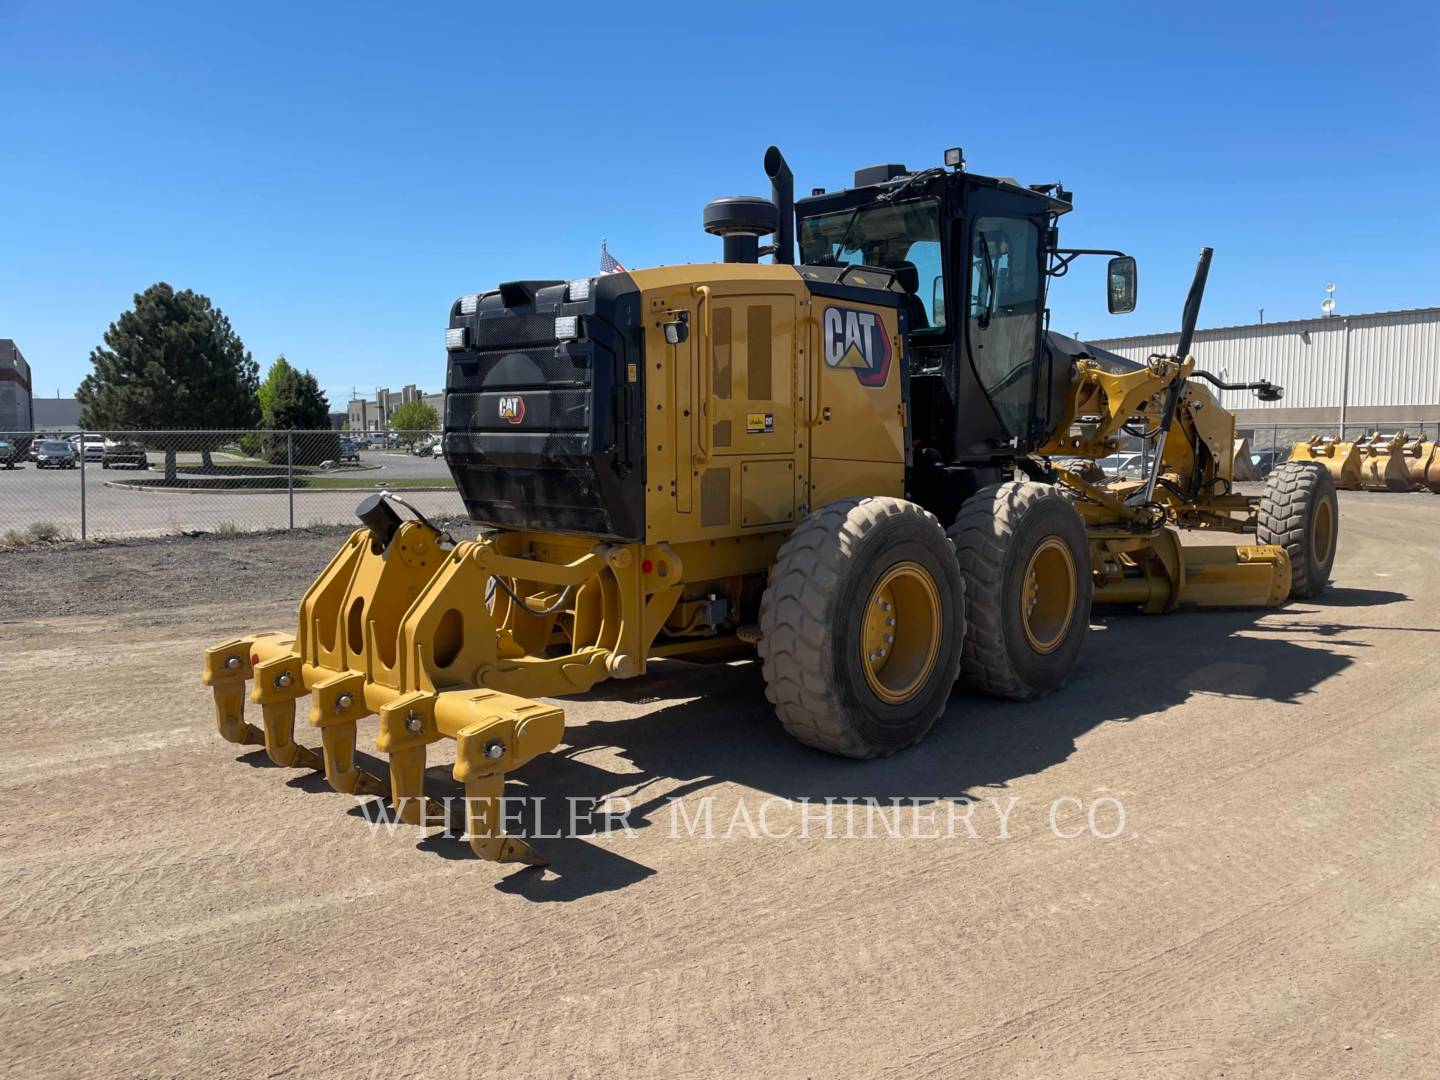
(982,534)
(809,567)
(1283,518)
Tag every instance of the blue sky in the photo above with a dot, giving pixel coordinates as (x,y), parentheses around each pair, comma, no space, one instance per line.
(333,175)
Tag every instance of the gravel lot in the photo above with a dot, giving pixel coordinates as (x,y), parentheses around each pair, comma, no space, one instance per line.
(1268,907)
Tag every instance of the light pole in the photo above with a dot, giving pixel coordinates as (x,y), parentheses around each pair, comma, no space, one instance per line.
(1327,310)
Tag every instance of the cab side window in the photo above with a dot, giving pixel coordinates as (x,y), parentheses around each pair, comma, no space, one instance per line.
(1004,313)
(925,256)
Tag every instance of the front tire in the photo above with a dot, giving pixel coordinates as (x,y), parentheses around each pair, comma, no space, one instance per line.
(1300,512)
(1023,553)
(861,627)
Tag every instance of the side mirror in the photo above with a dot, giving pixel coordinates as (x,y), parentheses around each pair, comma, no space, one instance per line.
(1123,284)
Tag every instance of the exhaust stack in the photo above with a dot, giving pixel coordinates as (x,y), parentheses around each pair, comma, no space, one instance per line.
(782,194)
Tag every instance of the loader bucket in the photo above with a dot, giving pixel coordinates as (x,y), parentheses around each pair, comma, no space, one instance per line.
(1340,458)
(1382,464)
(1244,467)
(356,655)
(1417,454)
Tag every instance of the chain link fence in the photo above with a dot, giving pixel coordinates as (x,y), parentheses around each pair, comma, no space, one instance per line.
(94,485)
(1284,437)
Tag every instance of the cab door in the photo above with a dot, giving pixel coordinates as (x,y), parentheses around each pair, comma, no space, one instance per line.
(1005,305)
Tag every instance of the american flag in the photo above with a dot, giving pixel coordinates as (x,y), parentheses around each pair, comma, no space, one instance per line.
(608,263)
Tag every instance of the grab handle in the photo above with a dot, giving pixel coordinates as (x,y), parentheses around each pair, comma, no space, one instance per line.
(707,374)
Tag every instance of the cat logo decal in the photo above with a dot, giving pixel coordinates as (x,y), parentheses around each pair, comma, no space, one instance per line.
(857,340)
(512,408)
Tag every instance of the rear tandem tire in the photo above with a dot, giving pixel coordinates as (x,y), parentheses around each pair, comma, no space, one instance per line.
(1299,512)
(1023,552)
(861,627)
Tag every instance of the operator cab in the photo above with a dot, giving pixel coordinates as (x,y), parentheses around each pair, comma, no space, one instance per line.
(971,254)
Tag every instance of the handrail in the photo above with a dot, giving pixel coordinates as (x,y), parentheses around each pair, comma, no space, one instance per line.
(707,373)
(816,344)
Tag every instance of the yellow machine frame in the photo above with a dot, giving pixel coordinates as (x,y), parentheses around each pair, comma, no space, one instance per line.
(443,640)
(1137,554)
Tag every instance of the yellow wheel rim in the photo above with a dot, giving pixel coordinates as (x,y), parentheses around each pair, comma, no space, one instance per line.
(1322,531)
(1047,595)
(901,635)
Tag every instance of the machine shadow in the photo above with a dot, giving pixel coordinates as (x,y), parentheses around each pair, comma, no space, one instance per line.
(716,727)
(723,730)
(1343,597)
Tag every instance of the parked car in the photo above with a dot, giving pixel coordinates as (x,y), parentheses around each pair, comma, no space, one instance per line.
(54,454)
(9,454)
(116,454)
(1123,466)
(349,451)
(438,450)
(94,449)
(425,448)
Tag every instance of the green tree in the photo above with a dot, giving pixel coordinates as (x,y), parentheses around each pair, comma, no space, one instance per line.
(414,420)
(299,405)
(171,363)
(265,394)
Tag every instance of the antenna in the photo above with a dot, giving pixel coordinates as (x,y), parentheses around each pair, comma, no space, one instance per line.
(1328,304)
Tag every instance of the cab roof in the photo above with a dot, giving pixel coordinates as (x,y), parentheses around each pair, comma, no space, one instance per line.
(932,182)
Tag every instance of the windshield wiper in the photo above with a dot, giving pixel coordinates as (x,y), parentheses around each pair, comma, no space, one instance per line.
(983,321)
(884,197)
(845,236)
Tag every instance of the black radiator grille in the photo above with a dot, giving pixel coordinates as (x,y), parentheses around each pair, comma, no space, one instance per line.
(505,331)
(521,368)
(533,410)
(543,433)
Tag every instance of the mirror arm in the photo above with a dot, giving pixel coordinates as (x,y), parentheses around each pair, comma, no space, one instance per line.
(1061,258)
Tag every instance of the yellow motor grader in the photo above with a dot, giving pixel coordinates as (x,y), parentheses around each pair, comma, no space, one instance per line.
(860,464)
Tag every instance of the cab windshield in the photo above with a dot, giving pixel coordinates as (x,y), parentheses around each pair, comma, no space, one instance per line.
(897,236)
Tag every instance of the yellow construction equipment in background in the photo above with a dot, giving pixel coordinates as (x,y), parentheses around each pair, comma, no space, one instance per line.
(1340,459)
(1418,453)
(1375,462)
(848,467)
(1382,467)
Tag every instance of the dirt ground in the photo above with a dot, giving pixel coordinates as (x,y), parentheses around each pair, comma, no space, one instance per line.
(1269,905)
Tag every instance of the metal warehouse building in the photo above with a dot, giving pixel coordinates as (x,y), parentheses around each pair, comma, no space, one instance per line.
(1378,371)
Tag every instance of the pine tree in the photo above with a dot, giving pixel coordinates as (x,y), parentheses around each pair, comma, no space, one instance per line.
(172,363)
(300,405)
(266,393)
